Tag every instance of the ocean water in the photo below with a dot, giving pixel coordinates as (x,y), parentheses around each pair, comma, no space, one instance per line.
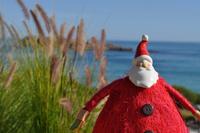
(178,63)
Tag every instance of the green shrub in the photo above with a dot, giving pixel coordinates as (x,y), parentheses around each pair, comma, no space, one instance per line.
(189,94)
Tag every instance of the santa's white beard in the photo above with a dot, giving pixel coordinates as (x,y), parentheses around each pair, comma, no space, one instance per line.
(143,77)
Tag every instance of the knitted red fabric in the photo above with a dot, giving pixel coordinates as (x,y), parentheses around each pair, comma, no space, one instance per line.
(180,98)
(122,111)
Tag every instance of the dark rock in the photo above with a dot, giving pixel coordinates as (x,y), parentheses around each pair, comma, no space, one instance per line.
(113,47)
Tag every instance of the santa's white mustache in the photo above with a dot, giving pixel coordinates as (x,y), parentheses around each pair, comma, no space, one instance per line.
(143,77)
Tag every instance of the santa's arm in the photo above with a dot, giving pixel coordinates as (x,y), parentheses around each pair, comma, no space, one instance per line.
(92,103)
(97,97)
(182,100)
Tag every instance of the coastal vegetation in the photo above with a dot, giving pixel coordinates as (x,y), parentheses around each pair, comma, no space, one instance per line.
(190,95)
(40,86)
(41,89)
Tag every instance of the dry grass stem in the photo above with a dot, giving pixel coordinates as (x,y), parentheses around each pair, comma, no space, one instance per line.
(88,75)
(10,75)
(24,9)
(9,30)
(28,30)
(102,73)
(15,33)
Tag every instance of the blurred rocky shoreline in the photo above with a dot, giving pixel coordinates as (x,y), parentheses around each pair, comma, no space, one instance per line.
(109,46)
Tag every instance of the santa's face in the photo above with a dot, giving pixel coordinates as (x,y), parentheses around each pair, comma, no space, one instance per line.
(143,74)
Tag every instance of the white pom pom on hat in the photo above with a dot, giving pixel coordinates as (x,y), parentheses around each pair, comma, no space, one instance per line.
(145,37)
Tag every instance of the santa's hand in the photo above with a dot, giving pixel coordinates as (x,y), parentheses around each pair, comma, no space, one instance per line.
(77,124)
(80,120)
(197,114)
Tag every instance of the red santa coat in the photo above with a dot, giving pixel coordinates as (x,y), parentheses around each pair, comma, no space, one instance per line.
(132,109)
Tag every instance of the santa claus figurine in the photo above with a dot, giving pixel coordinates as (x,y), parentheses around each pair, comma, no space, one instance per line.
(141,102)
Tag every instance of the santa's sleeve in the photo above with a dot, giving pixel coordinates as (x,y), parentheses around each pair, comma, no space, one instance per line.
(180,98)
(103,92)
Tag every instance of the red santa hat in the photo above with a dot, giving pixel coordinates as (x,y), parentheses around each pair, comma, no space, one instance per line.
(142,51)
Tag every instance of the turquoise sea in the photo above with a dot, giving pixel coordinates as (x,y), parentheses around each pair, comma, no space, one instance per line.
(178,63)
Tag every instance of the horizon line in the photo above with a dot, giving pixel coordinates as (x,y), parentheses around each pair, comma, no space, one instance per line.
(169,41)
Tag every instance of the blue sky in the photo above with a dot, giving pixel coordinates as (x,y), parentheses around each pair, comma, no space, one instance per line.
(169,20)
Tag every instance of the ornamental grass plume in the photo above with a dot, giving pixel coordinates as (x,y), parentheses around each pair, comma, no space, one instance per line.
(95,48)
(88,75)
(52,21)
(68,41)
(2,28)
(99,47)
(62,34)
(75,53)
(24,9)
(61,40)
(37,23)
(44,17)
(55,69)
(10,75)
(81,38)
(39,27)
(102,42)
(13,33)
(79,45)
(102,73)
(66,104)
(50,45)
